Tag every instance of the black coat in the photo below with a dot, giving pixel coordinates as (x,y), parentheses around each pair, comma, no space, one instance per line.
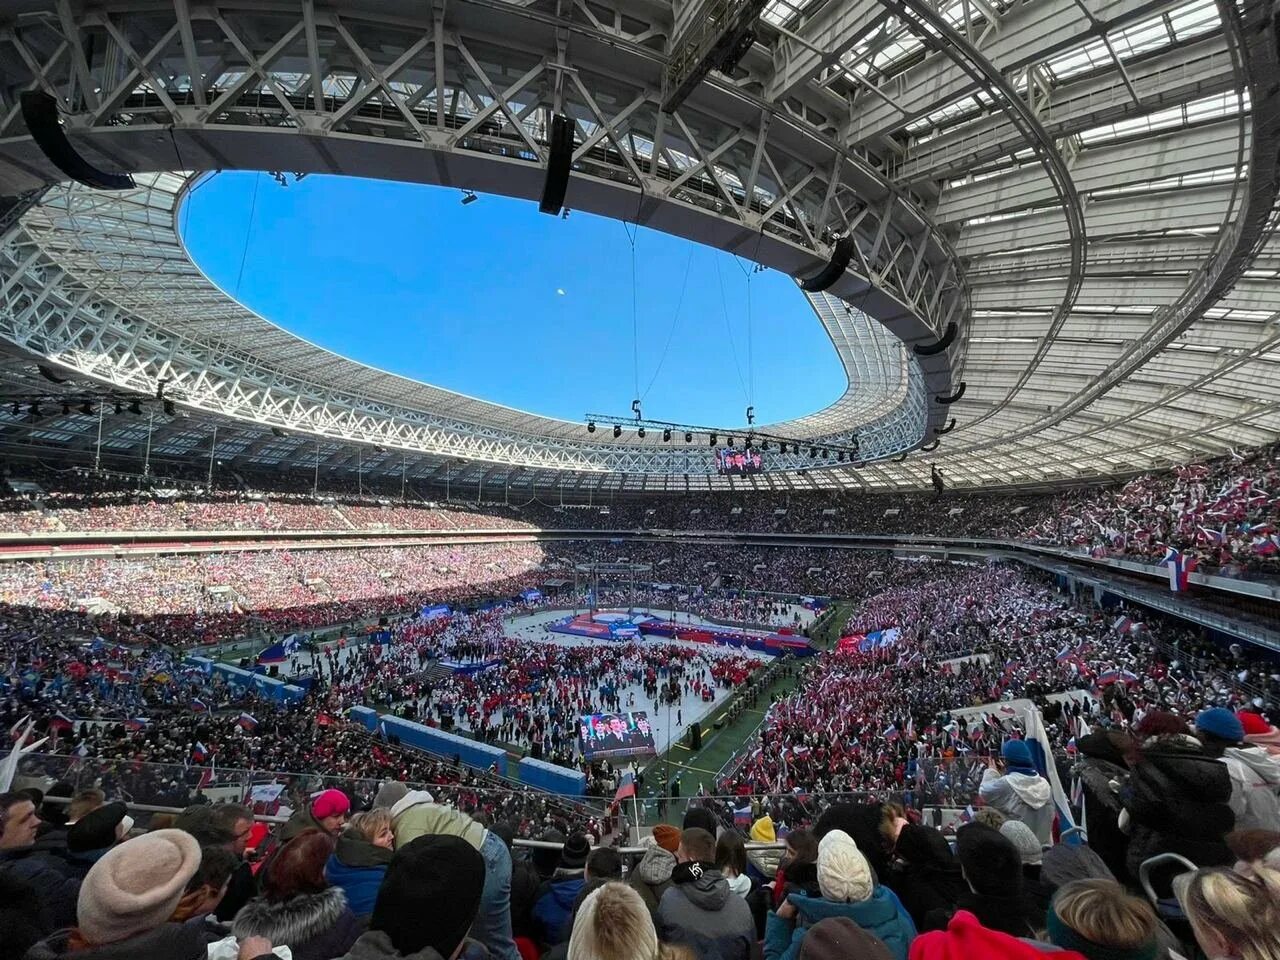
(23,919)
(1178,802)
(1101,765)
(170,941)
(926,875)
(57,891)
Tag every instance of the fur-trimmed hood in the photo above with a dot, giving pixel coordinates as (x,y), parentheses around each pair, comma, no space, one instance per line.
(291,921)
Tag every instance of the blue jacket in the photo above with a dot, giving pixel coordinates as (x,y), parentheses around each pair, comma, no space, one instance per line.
(360,884)
(882,915)
(554,906)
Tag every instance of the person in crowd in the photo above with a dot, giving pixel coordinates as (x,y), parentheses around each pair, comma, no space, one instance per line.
(298,907)
(1235,912)
(1102,921)
(603,864)
(700,817)
(1020,792)
(699,910)
(966,938)
(327,812)
(1259,733)
(90,837)
(207,886)
(229,826)
(127,900)
(1177,797)
(731,859)
(865,823)
(990,816)
(992,871)
(525,883)
(849,890)
(554,904)
(613,923)
(1102,771)
(26,867)
(839,938)
(429,898)
(360,858)
(1255,774)
(798,869)
(84,802)
(652,874)
(764,861)
(1032,856)
(925,874)
(416,814)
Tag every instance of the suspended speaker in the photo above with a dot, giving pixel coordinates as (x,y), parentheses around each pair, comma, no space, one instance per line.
(951,425)
(930,447)
(40,111)
(558,162)
(955,396)
(901,458)
(841,254)
(933,349)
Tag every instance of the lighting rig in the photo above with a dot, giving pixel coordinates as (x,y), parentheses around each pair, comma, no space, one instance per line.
(87,402)
(829,448)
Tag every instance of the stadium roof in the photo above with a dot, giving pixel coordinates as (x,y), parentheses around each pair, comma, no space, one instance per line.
(1086,188)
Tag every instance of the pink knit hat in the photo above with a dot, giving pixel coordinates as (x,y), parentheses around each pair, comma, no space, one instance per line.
(136,886)
(330,803)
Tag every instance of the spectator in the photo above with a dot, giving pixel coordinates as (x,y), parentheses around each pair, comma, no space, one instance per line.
(236,820)
(764,860)
(360,858)
(428,900)
(1102,921)
(1235,912)
(1021,793)
(603,864)
(848,890)
(1102,771)
(1259,733)
(126,903)
(416,814)
(965,938)
(327,813)
(23,917)
(798,869)
(90,837)
(652,875)
(1255,774)
(731,859)
(84,802)
(864,823)
(1177,799)
(525,882)
(206,887)
(22,864)
(613,924)
(993,871)
(925,875)
(699,817)
(298,907)
(554,904)
(699,910)
(839,938)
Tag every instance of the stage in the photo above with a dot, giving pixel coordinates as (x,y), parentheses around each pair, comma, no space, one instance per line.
(623,626)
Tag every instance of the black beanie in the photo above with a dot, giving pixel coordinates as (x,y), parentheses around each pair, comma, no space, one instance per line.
(701,818)
(991,862)
(430,895)
(96,830)
(575,852)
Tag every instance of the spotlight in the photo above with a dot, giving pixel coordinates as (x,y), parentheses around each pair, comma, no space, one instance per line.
(731,443)
(591,426)
(87,408)
(713,439)
(469,196)
(617,431)
(136,408)
(119,408)
(168,408)
(640,433)
(666,435)
(66,408)
(688,437)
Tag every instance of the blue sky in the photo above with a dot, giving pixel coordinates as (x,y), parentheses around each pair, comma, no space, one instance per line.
(496,300)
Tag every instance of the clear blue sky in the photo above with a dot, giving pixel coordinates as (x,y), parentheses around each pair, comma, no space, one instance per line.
(499,301)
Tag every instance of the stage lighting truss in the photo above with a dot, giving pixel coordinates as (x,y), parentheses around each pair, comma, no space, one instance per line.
(840,450)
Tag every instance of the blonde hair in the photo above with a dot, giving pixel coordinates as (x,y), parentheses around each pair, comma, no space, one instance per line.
(1102,912)
(613,924)
(1237,908)
(370,823)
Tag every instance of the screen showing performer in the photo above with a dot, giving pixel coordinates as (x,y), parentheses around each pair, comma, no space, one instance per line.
(738,461)
(616,735)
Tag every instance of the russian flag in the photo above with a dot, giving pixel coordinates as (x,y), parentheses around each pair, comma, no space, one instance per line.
(742,817)
(892,732)
(273,654)
(134,724)
(247,721)
(60,723)
(626,787)
(199,753)
(1180,567)
(1063,654)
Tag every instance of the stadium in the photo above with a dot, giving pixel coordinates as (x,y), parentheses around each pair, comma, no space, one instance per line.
(957,635)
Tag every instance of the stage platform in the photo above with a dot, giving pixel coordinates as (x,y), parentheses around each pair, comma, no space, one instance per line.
(622,626)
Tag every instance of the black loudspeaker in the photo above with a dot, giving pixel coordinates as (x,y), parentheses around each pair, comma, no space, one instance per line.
(40,112)
(841,254)
(951,425)
(559,160)
(695,736)
(535,750)
(955,397)
(931,349)
(273,670)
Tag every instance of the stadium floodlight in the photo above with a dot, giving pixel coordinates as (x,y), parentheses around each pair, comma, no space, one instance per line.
(119,408)
(713,439)
(666,434)
(688,437)
(640,433)
(617,431)
(764,446)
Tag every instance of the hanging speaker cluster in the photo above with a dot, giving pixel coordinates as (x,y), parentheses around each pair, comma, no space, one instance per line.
(40,112)
(841,254)
(559,160)
(933,349)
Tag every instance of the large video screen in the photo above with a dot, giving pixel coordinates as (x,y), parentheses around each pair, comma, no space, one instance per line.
(738,461)
(616,735)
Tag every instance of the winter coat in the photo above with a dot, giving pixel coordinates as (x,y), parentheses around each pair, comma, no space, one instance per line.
(1022,796)
(699,911)
(1014,914)
(1255,787)
(23,918)
(56,890)
(1102,773)
(169,941)
(376,945)
(241,888)
(652,876)
(926,876)
(358,866)
(554,905)
(315,926)
(881,915)
(1269,741)
(525,884)
(1178,801)
(741,884)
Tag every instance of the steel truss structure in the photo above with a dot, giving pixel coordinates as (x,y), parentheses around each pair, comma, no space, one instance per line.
(1086,189)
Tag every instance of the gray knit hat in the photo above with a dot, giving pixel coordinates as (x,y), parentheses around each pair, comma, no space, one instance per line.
(1025,840)
(389,794)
